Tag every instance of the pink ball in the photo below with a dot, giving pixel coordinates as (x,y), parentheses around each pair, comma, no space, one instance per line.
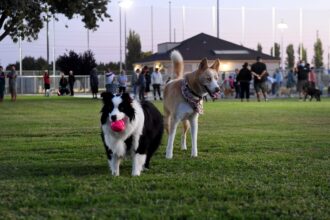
(118,126)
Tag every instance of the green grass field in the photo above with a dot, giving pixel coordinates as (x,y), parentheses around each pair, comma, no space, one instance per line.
(256,161)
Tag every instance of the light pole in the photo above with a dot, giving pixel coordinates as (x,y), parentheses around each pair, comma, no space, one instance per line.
(243,25)
(273,30)
(125,4)
(282,26)
(54,58)
(47,37)
(218,31)
(170,19)
(152,28)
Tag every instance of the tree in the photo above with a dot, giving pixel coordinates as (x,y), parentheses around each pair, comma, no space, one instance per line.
(104,66)
(259,48)
(304,53)
(146,54)
(277,50)
(134,49)
(290,56)
(41,64)
(28,63)
(318,54)
(87,62)
(72,61)
(80,64)
(26,18)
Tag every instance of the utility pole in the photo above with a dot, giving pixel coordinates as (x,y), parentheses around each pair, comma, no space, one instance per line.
(243,25)
(218,31)
(301,33)
(120,50)
(54,59)
(87,39)
(170,20)
(152,28)
(47,38)
(183,21)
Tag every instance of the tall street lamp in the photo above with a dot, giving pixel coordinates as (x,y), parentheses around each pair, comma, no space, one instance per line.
(124,4)
(282,26)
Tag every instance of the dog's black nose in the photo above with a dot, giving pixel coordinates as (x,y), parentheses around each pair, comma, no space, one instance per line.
(113,118)
(217,89)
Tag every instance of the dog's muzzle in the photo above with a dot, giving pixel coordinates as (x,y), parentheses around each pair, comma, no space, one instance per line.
(213,94)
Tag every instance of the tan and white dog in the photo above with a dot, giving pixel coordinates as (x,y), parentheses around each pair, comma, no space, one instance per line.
(183,99)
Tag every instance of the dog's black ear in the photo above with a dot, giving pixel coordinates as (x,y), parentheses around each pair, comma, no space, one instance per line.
(106,96)
(126,98)
(203,65)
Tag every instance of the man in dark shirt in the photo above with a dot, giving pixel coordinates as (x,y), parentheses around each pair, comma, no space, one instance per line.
(259,71)
(302,71)
(72,79)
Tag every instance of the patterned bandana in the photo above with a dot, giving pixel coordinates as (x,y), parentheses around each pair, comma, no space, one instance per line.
(195,102)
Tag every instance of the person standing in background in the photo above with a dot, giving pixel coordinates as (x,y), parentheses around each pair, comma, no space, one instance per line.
(148,80)
(244,77)
(259,71)
(312,78)
(122,80)
(94,81)
(142,85)
(110,84)
(12,83)
(2,83)
(302,76)
(157,81)
(134,80)
(290,83)
(72,79)
(236,84)
(46,82)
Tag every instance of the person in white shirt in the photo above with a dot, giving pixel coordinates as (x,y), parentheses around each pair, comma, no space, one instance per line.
(157,81)
(110,84)
(134,81)
(122,80)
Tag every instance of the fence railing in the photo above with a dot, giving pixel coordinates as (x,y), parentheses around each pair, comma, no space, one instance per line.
(34,84)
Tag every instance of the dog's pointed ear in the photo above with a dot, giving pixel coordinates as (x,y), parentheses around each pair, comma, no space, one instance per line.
(203,65)
(126,98)
(216,65)
(106,96)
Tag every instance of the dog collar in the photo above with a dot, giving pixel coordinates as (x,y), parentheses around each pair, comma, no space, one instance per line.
(194,100)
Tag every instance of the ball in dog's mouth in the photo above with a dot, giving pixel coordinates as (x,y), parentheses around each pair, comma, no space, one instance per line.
(117,126)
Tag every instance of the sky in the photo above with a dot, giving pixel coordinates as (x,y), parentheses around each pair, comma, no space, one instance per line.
(104,42)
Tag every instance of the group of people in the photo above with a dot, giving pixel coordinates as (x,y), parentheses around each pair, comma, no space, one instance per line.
(140,82)
(11,83)
(63,84)
(240,80)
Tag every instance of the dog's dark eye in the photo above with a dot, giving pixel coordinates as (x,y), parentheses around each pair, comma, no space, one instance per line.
(209,79)
(121,108)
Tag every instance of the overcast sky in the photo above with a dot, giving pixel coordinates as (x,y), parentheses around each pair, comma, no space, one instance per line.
(258,27)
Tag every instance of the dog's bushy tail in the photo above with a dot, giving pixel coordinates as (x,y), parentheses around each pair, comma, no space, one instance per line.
(177,64)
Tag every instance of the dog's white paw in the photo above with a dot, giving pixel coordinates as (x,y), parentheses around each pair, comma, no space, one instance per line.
(169,155)
(136,173)
(194,154)
(114,173)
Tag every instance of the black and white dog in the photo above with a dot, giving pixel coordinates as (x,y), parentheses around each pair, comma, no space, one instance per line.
(141,135)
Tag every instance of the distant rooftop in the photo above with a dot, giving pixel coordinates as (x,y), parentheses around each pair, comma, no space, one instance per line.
(204,45)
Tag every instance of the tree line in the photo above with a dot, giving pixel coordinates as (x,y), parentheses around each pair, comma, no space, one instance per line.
(83,63)
(317,59)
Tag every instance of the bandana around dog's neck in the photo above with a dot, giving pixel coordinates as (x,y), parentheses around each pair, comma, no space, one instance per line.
(194,100)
